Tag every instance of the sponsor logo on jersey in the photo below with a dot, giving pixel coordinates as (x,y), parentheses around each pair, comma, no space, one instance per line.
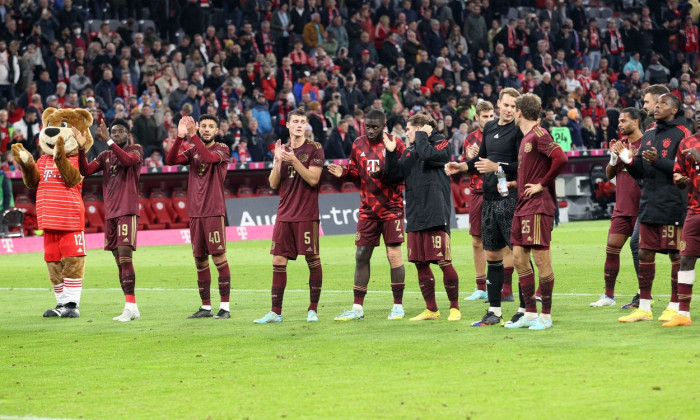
(528,147)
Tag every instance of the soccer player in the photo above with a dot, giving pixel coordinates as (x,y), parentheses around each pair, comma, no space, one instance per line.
(484,114)
(206,207)
(686,172)
(296,172)
(540,160)
(627,195)
(498,154)
(381,213)
(121,168)
(428,209)
(661,208)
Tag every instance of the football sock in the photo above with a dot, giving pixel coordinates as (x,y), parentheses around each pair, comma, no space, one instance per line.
(647,270)
(359,293)
(548,317)
(527,288)
(426,281)
(547,285)
(494,284)
(507,281)
(451,281)
(279,282)
(128,277)
(72,289)
(520,297)
(398,276)
(496,310)
(685,291)
(481,282)
(358,309)
(225,306)
(204,284)
(644,304)
(58,292)
(315,282)
(675,266)
(224,281)
(612,268)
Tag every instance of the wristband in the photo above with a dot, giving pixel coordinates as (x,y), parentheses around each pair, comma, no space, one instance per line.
(613,159)
(625,156)
(110,142)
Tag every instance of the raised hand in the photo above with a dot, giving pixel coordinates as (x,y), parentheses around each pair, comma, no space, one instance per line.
(613,146)
(335,170)
(650,155)
(389,143)
(182,128)
(59,151)
(192,126)
(472,151)
(278,150)
(617,147)
(692,152)
(80,138)
(102,133)
(20,153)
(680,180)
(452,168)
(427,128)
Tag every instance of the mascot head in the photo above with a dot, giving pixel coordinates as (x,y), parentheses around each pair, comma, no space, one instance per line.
(59,123)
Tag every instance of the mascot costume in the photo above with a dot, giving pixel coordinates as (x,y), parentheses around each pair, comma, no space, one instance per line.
(59,204)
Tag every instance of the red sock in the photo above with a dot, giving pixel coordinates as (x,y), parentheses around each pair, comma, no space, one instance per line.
(547,286)
(359,292)
(426,281)
(507,282)
(224,281)
(612,268)
(675,266)
(398,275)
(451,281)
(315,282)
(527,288)
(279,282)
(647,271)
(128,277)
(481,282)
(204,283)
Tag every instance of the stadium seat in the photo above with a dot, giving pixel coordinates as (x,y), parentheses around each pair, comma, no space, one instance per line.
(93,25)
(349,187)
(465,181)
(94,214)
(147,219)
(113,24)
(229,194)
(23,203)
(11,223)
(180,205)
(146,23)
(264,190)
(327,189)
(606,12)
(245,191)
(461,199)
(164,211)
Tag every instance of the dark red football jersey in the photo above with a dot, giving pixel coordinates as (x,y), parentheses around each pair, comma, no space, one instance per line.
(533,164)
(476,185)
(627,191)
(379,200)
(686,166)
(120,184)
(205,188)
(299,200)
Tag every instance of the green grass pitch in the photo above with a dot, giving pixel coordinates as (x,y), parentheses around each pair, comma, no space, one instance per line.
(164,366)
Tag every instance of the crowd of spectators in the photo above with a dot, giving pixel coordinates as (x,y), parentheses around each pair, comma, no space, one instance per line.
(251,62)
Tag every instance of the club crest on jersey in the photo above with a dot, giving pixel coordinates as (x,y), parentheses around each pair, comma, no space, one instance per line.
(303,157)
(196,155)
(666,143)
(113,170)
(528,147)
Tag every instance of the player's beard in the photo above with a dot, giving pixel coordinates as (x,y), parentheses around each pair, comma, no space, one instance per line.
(208,141)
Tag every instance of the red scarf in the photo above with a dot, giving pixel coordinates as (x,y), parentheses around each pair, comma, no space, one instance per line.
(616,42)
(224,100)
(511,38)
(63,74)
(691,38)
(595,37)
(268,45)
(299,57)
(287,75)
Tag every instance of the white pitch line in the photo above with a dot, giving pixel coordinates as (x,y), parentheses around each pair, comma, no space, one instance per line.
(161,289)
(5,417)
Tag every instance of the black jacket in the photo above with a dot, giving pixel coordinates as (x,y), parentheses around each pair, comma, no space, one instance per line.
(661,203)
(500,144)
(428,193)
(336,147)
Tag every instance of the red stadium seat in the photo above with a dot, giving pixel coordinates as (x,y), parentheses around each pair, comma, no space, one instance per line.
(23,203)
(349,187)
(180,205)
(147,219)
(94,214)
(264,190)
(461,199)
(327,189)
(163,209)
(465,181)
(229,194)
(245,191)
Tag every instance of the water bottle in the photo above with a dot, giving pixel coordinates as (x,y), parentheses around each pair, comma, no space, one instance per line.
(502,183)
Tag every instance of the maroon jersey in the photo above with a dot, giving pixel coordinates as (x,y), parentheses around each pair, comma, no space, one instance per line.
(533,164)
(205,189)
(120,183)
(379,200)
(476,185)
(686,166)
(299,200)
(627,191)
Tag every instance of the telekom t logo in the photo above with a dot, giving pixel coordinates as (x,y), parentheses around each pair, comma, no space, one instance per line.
(185,234)
(242,232)
(8,245)
(372,165)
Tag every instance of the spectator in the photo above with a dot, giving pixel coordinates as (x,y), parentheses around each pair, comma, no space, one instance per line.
(339,32)
(256,145)
(261,113)
(318,123)
(656,72)
(6,199)
(9,73)
(589,134)
(26,130)
(193,98)
(154,160)
(145,130)
(339,143)
(6,132)
(314,32)
(634,65)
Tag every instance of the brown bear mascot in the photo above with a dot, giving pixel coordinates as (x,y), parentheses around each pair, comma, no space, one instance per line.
(59,204)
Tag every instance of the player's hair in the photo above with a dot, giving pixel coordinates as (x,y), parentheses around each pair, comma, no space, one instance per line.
(510,92)
(375,114)
(119,121)
(420,119)
(656,90)
(209,117)
(634,114)
(675,102)
(483,106)
(299,112)
(530,105)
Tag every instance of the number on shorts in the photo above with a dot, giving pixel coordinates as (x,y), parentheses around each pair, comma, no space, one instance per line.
(292,171)
(214,237)
(307,238)
(78,239)
(526,227)
(668,231)
(437,242)
(124,229)
(398,225)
